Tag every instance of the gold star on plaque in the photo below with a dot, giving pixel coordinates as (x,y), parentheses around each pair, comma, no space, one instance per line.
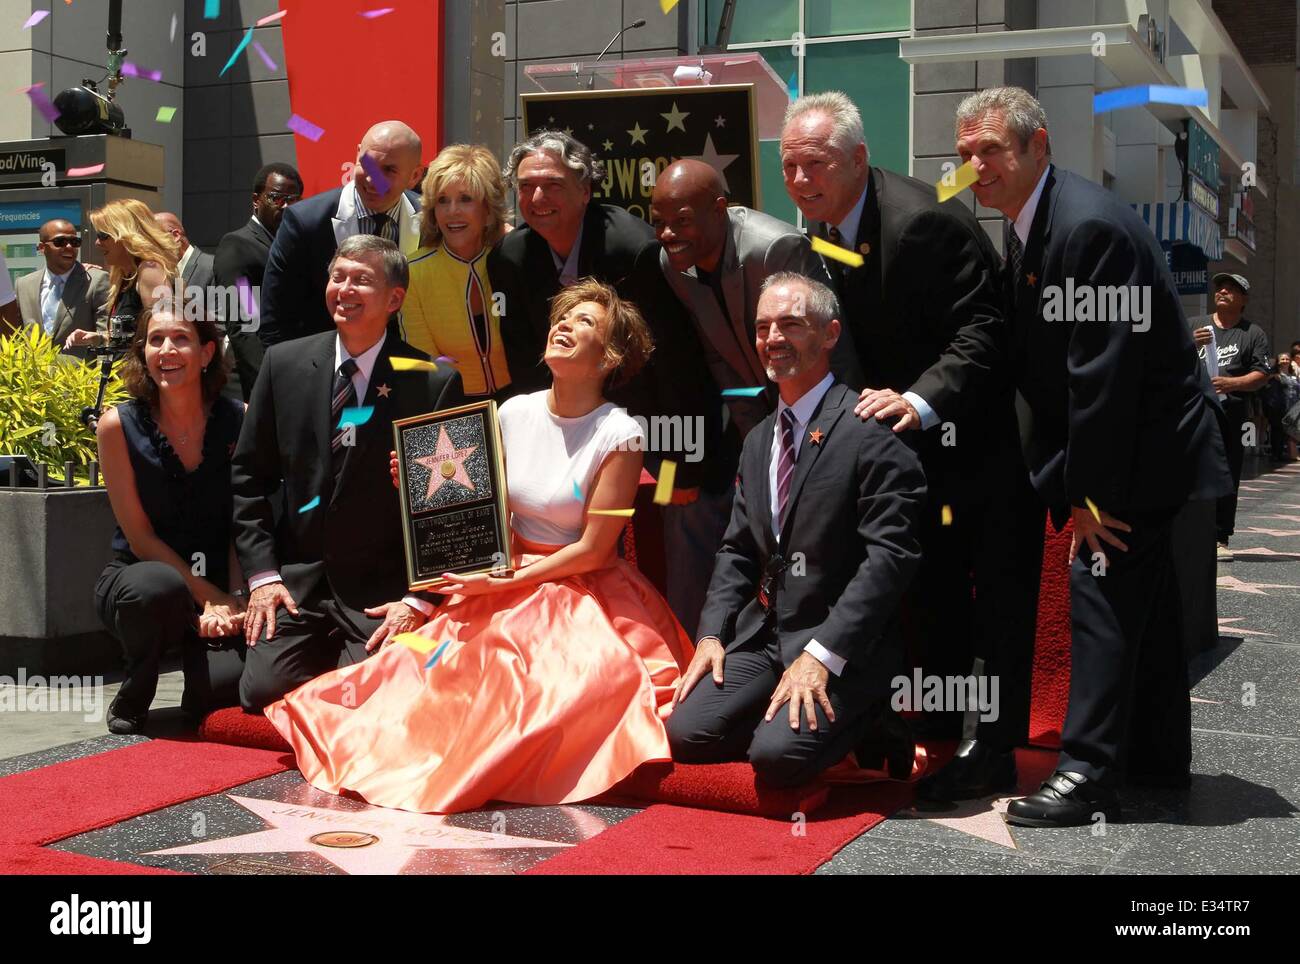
(638,135)
(383,391)
(676,118)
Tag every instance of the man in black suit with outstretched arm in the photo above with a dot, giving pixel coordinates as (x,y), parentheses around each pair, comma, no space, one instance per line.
(1124,429)
(329,582)
(798,641)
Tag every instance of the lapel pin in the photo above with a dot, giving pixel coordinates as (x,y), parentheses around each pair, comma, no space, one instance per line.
(816,436)
(865,247)
(383,391)
(1031,279)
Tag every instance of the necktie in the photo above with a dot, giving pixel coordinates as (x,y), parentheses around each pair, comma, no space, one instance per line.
(381,226)
(50,306)
(1015,254)
(344,396)
(784,465)
(833,235)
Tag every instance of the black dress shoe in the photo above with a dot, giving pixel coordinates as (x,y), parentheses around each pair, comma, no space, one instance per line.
(1065,800)
(888,746)
(976,771)
(124,722)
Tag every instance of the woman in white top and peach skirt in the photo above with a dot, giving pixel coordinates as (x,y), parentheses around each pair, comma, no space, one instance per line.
(555,681)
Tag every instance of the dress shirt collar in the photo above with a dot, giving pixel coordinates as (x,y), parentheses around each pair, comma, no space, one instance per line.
(805,405)
(186,258)
(1025,219)
(359,206)
(568,267)
(848,228)
(50,276)
(365,361)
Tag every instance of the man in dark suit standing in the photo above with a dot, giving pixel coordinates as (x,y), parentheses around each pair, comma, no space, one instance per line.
(328,584)
(65,296)
(242,254)
(1124,429)
(802,606)
(387,205)
(194,268)
(925,309)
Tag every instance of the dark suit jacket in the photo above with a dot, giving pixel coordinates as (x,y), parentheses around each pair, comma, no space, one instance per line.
(242,254)
(198,273)
(852,520)
(1123,417)
(348,548)
(297,268)
(83,305)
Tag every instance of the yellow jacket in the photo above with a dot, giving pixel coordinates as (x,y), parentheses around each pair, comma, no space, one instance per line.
(437,317)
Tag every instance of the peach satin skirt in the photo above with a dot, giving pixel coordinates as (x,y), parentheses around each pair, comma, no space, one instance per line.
(546,694)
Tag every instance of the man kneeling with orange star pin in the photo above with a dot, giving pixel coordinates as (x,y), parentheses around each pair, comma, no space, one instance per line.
(798,640)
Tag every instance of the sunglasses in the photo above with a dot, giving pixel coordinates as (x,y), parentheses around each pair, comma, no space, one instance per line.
(64,242)
(102,236)
(275,197)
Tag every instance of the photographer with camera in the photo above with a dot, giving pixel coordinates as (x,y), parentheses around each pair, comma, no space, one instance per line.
(174,580)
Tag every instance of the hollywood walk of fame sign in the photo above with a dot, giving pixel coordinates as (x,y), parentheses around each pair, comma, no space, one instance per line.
(639,132)
(452,483)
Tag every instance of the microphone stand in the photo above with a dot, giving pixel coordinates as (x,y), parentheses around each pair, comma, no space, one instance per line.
(634,25)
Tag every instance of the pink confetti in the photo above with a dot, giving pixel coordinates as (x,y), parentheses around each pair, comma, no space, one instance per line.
(271,18)
(446,358)
(300,125)
(42,102)
(377,178)
(85,171)
(373,14)
(131,70)
(35,18)
(266,58)
(246,299)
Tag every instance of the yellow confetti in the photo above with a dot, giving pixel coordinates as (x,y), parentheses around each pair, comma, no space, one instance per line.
(165,115)
(822,246)
(945,515)
(625,513)
(411,365)
(952,184)
(664,487)
(1092,507)
(421,644)
(667,5)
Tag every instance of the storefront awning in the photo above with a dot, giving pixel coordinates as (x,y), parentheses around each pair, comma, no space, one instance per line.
(1183,221)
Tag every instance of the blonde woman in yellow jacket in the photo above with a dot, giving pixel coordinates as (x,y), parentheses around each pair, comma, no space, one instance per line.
(448,309)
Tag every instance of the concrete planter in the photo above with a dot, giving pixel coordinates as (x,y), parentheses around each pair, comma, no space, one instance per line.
(54,543)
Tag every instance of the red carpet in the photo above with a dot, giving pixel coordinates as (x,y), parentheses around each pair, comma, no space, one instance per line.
(1050,691)
(30,859)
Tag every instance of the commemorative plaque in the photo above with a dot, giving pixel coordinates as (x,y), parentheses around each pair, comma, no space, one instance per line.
(452,483)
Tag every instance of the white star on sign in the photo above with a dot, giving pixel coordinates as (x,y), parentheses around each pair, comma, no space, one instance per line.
(638,135)
(718,162)
(719,121)
(399,835)
(676,118)
(608,145)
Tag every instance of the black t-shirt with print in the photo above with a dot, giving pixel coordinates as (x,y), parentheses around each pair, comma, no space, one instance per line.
(1242,349)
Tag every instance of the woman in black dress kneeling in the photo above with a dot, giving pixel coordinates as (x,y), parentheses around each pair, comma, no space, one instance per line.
(174,581)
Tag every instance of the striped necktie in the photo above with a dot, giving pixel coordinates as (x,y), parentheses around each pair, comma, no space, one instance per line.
(382,226)
(345,396)
(1015,253)
(784,466)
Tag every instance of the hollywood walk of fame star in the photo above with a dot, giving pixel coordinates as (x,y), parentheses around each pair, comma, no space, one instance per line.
(676,118)
(718,162)
(1284,518)
(383,391)
(608,145)
(1197,699)
(1226,630)
(1233,584)
(1274,532)
(1262,551)
(397,836)
(447,463)
(719,121)
(980,818)
(638,134)
(816,436)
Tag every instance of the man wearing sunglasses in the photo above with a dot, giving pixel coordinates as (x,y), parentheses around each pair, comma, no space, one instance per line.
(65,295)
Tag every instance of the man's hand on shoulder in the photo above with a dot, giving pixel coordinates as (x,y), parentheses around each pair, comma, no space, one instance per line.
(883,403)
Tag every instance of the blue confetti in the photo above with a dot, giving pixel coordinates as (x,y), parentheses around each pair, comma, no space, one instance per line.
(744,392)
(248,38)
(355,416)
(1149,94)
(577,491)
(310,505)
(438,652)
(211,9)
(793,85)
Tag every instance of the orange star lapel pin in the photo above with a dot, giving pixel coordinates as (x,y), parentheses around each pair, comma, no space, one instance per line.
(816,436)
(1031,279)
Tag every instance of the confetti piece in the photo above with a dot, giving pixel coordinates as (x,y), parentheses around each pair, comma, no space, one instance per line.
(41,102)
(270,18)
(172,38)
(1150,94)
(35,18)
(165,114)
(625,513)
(300,125)
(266,58)
(577,490)
(792,85)
(664,487)
(379,12)
(239,49)
(851,258)
(135,70)
(377,178)
(448,359)
(246,299)
(429,664)
(945,515)
(950,185)
(85,171)
(421,644)
(310,505)
(667,5)
(355,416)
(646,478)
(211,9)
(412,365)
(743,392)
(1092,507)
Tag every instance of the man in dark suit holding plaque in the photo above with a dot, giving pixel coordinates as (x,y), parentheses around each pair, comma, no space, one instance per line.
(799,643)
(329,583)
